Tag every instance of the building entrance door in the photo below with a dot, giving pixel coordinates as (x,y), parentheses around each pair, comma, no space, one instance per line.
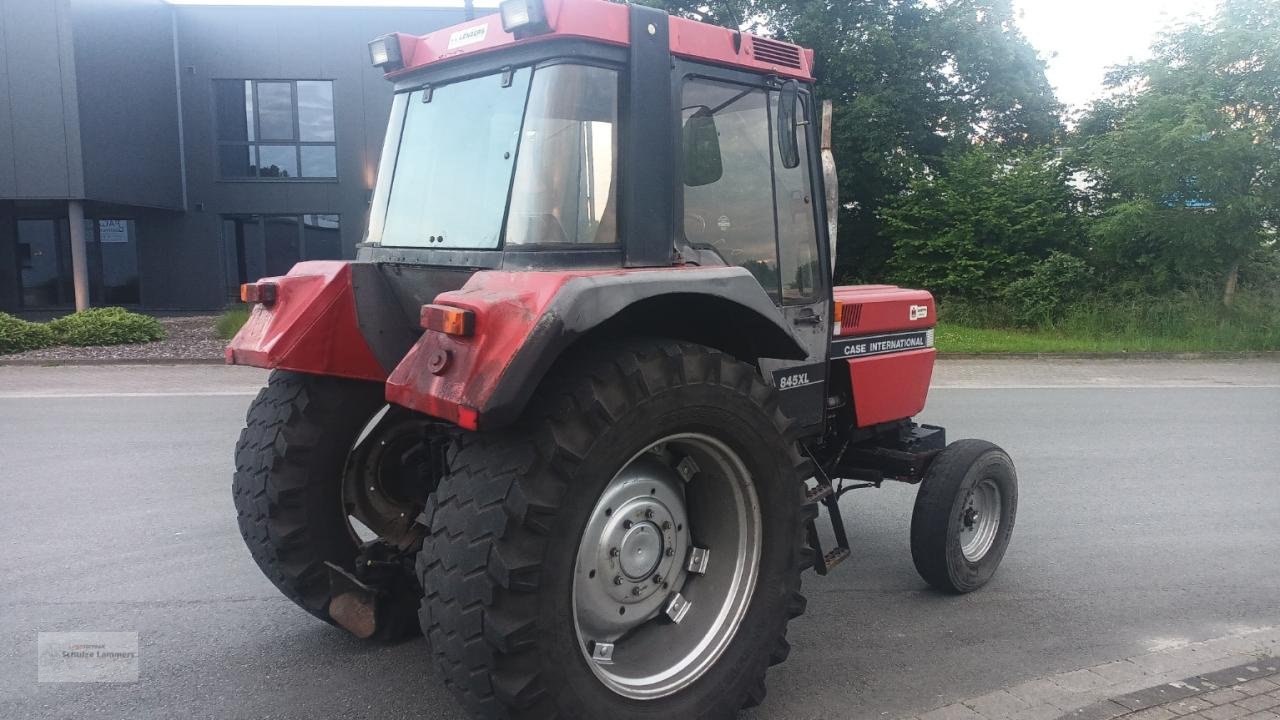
(44,255)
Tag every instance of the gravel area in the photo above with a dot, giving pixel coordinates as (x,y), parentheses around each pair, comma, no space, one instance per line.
(189,338)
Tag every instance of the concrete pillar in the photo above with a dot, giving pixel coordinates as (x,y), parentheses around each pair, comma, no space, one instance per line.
(79,253)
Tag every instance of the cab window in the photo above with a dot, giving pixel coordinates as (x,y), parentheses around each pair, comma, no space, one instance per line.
(739,200)
(565,188)
(797,234)
(732,214)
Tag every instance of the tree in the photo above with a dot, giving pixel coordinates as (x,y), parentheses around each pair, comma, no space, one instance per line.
(1184,159)
(911,79)
(986,218)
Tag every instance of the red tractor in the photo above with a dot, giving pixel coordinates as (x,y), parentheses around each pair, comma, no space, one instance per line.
(575,406)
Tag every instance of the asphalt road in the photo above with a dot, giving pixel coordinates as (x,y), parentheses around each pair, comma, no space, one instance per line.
(1149,515)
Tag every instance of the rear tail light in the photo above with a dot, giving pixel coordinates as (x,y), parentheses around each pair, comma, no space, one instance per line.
(448,320)
(260,292)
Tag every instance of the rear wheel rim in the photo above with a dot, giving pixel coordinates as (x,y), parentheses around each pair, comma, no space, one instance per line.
(980,519)
(666,566)
(386,478)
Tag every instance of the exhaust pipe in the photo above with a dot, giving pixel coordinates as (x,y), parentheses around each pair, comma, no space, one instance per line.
(829,181)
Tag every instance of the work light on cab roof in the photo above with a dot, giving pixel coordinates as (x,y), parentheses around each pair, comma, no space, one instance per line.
(522,18)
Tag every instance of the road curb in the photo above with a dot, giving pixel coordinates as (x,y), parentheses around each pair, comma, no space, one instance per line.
(1196,686)
(1101,691)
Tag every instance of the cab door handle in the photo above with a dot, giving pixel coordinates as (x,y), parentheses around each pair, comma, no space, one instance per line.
(807,317)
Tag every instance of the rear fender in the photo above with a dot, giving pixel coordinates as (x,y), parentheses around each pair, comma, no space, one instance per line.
(525,320)
(311,327)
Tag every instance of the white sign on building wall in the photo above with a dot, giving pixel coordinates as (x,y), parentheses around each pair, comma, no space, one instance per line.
(113,231)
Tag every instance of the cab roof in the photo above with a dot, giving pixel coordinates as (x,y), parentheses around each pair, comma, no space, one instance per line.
(608,22)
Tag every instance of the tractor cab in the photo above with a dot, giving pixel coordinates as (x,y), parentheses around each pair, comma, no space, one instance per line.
(578,135)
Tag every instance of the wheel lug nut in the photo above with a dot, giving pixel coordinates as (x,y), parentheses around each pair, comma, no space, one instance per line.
(613,552)
(666,524)
(657,578)
(617,579)
(626,524)
(635,591)
(671,551)
(648,514)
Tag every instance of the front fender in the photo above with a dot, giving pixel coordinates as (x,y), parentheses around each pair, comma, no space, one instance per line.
(525,320)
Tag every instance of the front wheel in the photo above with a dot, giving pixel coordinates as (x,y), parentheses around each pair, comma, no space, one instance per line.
(964,515)
(632,548)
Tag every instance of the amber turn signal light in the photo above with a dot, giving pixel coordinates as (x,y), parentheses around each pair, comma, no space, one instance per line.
(448,320)
(261,292)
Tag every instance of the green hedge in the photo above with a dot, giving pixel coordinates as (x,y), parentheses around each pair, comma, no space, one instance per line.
(105,326)
(17,335)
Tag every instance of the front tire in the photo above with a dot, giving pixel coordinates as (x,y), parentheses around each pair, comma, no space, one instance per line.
(964,516)
(521,530)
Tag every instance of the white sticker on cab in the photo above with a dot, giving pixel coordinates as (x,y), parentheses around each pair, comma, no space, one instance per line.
(469,36)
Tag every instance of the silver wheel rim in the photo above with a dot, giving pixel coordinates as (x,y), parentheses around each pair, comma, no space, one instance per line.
(666,566)
(980,519)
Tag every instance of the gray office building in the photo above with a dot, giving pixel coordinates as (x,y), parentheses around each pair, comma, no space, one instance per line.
(163,154)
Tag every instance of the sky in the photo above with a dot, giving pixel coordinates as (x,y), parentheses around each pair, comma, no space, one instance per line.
(1079,39)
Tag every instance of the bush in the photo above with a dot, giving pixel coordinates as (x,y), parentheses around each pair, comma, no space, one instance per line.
(1044,295)
(106,326)
(984,217)
(17,335)
(231,322)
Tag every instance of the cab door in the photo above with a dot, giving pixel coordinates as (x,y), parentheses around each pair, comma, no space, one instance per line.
(805,292)
(742,206)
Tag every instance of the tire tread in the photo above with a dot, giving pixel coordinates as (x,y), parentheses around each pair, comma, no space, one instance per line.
(501,499)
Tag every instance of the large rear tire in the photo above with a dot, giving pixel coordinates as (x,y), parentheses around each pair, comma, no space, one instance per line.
(566,533)
(288,485)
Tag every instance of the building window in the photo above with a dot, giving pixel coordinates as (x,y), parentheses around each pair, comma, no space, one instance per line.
(113,261)
(275,129)
(261,246)
(44,252)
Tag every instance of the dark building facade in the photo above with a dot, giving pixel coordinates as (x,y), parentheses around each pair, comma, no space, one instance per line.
(166,153)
